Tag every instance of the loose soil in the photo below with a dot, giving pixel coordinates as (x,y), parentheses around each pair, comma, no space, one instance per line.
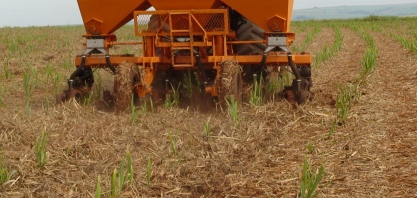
(371,155)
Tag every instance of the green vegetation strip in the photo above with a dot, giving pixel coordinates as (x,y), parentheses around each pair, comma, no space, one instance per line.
(349,93)
(120,178)
(40,150)
(407,43)
(328,52)
(309,38)
(5,175)
(310,180)
(233,107)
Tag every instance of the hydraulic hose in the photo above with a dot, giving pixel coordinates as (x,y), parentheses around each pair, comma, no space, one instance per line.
(200,67)
(80,68)
(109,65)
(295,71)
(168,76)
(261,64)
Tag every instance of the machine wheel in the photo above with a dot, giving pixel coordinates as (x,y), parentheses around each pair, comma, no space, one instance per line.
(60,98)
(127,76)
(303,97)
(79,94)
(291,95)
(231,84)
(249,32)
(237,88)
(76,94)
(108,98)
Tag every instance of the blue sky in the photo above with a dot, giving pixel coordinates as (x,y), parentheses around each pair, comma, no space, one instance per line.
(63,12)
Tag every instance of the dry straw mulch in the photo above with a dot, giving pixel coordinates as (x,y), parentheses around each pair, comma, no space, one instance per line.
(228,81)
(84,143)
(372,155)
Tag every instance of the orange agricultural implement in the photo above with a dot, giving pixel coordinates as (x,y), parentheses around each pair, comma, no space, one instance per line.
(189,35)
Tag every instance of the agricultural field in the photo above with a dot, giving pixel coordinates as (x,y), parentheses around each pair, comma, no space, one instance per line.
(355,138)
(359,11)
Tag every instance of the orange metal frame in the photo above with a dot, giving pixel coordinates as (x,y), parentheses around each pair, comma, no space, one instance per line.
(210,26)
(106,16)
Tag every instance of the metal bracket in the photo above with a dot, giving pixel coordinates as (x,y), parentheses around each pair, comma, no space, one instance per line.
(274,42)
(277,41)
(99,45)
(95,44)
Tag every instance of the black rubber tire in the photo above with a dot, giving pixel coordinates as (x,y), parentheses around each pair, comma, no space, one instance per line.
(77,95)
(250,32)
(124,81)
(231,83)
(237,90)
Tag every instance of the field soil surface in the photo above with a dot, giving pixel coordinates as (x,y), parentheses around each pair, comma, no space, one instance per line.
(184,152)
